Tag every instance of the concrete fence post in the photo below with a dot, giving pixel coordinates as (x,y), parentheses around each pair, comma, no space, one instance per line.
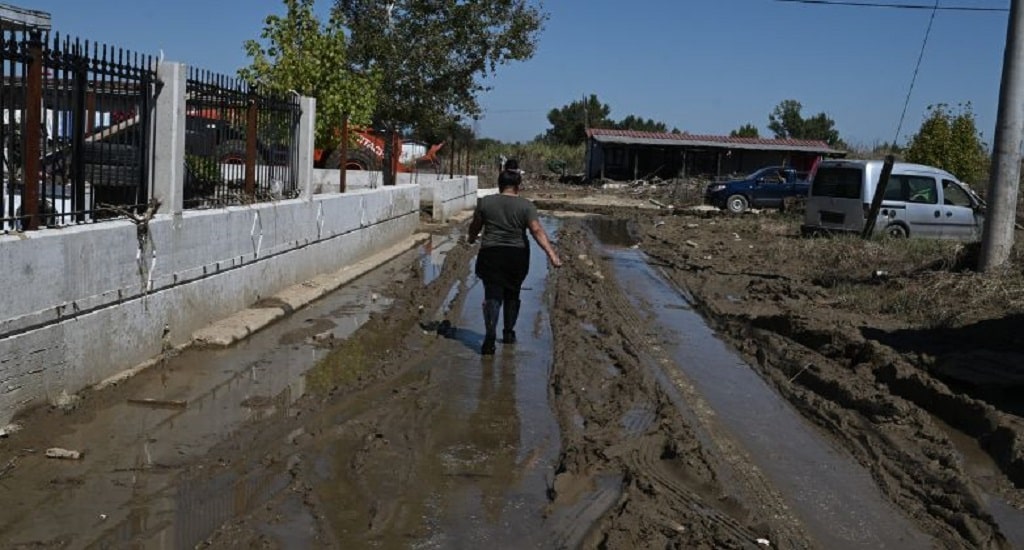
(307,127)
(169,138)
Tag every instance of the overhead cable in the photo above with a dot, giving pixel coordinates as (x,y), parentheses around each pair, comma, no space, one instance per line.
(894,6)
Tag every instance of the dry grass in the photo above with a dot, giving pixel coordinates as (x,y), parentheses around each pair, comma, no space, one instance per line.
(923,282)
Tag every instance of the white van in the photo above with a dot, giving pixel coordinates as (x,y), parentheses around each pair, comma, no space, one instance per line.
(919,201)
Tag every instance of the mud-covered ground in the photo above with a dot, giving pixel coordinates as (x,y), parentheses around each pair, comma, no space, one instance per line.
(598,429)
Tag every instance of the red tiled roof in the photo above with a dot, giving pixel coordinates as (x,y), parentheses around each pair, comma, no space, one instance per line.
(697,138)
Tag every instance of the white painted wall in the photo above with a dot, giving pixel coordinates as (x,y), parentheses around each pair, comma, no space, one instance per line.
(79,306)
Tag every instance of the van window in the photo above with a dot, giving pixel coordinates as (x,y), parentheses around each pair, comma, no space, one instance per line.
(954,195)
(919,189)
(837,181)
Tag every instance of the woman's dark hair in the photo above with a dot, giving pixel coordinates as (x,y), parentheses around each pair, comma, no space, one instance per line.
(509,178)
(509,175)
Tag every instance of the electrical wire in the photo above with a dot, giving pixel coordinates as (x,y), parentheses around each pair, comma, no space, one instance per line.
(895,6)
(913,80)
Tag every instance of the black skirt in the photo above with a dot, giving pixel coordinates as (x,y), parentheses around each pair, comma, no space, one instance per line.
(504,266)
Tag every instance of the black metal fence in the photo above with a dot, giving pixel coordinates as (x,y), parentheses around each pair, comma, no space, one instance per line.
(240,145)
(75,131)
(77,134)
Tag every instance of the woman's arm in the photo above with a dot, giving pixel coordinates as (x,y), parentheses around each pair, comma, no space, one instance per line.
(474,227)
(541,236)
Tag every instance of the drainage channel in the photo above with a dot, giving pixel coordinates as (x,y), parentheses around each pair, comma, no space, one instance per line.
(134,453)
(834,497)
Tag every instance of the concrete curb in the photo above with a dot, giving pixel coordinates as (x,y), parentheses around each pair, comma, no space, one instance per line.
(241,325)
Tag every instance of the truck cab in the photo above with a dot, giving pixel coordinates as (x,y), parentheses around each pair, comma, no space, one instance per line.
(768,187)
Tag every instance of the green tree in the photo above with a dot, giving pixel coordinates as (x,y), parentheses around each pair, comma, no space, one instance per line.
(296,52)
(787,121)
(433,56)
(951,141)
(640,124)
(569,122)
(746,131)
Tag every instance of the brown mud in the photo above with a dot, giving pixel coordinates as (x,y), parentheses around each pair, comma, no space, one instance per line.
(847,398)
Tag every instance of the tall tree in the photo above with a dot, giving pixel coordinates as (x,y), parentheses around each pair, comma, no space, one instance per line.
(298,52)
(569,122)
(746,131)
(433,55)
(951,141)
(787,121)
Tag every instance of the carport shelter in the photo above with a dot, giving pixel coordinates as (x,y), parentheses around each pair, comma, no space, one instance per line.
(633,155)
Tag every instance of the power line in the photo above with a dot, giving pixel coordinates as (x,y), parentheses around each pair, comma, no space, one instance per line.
(917,68)
(894,6)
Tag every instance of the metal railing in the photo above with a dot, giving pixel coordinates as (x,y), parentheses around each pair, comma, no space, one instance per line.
(76,128)
(77,134)
(240,145)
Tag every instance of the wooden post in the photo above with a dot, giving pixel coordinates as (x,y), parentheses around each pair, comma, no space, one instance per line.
(343,151)
(250,148)
(33,133)
(876,200)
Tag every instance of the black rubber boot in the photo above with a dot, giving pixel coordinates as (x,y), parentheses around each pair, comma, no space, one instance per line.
(491,310)
(511,316)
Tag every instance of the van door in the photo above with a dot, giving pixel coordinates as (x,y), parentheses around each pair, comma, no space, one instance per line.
(914,200)
(958,213)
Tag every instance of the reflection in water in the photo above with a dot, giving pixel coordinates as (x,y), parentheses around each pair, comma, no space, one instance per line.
(495,429)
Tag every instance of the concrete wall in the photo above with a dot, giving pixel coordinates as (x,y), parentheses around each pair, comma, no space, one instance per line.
(84,303)
(449,196)
(443,195)
(327,181)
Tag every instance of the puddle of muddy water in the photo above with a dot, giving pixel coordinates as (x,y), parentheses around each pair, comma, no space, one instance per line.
(612,231)
(984,470)
(432,255)
(834,497)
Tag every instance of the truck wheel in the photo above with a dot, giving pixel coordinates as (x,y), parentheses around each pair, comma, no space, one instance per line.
(896,231)
(357,160)
(737,204)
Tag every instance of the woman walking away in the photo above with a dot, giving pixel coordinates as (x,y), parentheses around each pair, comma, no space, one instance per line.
(504,258)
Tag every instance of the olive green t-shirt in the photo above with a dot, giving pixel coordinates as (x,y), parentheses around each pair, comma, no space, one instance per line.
(505,220)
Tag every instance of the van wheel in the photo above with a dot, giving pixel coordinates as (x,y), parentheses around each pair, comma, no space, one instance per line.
(896,231)
(737,204)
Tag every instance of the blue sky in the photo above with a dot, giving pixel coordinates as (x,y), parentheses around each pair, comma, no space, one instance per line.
(704,66)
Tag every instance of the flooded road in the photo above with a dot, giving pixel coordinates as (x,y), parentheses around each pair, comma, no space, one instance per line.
(619,419)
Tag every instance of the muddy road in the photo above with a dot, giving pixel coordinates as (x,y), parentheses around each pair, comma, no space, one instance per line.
(684,381)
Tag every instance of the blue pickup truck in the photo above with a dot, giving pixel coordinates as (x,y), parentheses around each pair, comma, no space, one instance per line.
(768,187)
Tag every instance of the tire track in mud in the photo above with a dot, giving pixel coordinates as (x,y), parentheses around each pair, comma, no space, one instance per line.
(866,396)
(618,419)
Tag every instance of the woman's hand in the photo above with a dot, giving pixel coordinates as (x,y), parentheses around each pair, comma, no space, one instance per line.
(555,260)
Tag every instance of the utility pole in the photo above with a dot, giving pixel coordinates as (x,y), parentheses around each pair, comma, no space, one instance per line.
(1000,217)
